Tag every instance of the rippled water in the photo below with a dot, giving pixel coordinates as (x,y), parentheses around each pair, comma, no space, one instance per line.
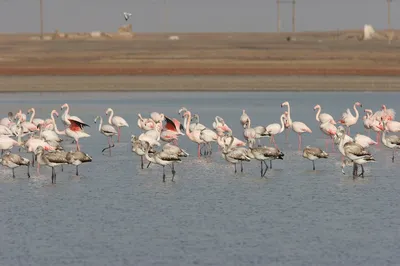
(114,213)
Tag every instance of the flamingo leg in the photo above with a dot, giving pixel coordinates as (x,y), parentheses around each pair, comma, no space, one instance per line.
(141,161)
(173,171)
(261,168)
(33,157)
(38,169)
(266,168)
(270,164)
(78,148)
(299,142)
(241,166)
(119,133)
(163,169)
(198,150)
(313,165)
(29,175)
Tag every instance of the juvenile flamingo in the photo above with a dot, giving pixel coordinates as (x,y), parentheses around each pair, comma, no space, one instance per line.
(298,127)
(116,121)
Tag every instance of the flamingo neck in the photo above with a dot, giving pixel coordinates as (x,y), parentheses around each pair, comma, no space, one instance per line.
(33,115)
(111,116)
(317,115)
(146,154)
(188,118)
(249,123)
(356,111)
(101,123)
(282,124)
(55,125)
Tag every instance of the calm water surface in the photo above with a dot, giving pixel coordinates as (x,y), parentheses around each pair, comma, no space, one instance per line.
(114,213)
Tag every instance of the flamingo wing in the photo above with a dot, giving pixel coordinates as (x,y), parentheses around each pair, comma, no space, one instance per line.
(170,125)
(76,125)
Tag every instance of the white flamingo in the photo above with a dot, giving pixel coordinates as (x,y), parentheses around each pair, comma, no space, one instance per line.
(116,121)
(348,119)
(107,130)
(298,127)
(275,128)
(324,117)
(392,142)
(33,120)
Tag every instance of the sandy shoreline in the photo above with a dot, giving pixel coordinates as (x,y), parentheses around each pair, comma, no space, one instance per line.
(197,83)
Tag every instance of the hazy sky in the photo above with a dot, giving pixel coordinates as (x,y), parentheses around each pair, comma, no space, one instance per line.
(193,15)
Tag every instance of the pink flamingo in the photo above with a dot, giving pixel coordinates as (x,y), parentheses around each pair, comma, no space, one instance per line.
(219,125)
(330,130)
(364,141)
(298,127)
(116,121)
(7,121)
(392,126)
(195,134)
(75,130)
(275,128)
(223,141)
(324,117)
(388,114)
(145,123)
(243,118)
(171,130)
(348,119)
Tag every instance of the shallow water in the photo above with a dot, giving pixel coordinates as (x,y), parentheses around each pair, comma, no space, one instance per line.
(114,213)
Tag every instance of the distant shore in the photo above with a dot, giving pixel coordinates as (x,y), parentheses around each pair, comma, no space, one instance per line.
(197,83)
(314,61)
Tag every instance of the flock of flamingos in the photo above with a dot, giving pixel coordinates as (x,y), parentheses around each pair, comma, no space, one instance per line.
(41,138)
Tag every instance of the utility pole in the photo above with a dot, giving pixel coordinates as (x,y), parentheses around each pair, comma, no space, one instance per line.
(278,22)
(41,19)
(293,2)
(294,16)
(389,22)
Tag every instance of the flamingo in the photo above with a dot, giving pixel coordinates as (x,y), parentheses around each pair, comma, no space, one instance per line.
(197,125)
(171,130)
(298,127)
(235,155)
(275,128)
(219,124)
(13,161)
(330,130)
(116,121)
(54,112)
(367,120)
(392,142)
(157,117)
(108,131)
(393,126)
(195,134)
(7,121)
(6,143)
(35,121)
(75,130)
(221,140)
(314,153)
(162,159)
(139,148)
(253,134)
(65,115)
(243,118)
(387,114)
(265,153)
(77,158)
(348,119)
(355,152)
(208,136)
(145,123)
(20,115)
(324,117)
(171,150)
(363,140)
(51,159)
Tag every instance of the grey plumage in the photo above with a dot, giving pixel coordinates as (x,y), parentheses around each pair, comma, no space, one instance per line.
(314,153)
(265,153)
(77,158)
(13,161)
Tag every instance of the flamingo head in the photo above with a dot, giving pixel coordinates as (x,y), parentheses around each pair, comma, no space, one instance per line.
(358,104)
(285,104)
(65,105)
(317,107)
(30,111)
(187,113)
(244,111)
(183,109)
(383,107)
(95,120)
(109,110)
(54,112)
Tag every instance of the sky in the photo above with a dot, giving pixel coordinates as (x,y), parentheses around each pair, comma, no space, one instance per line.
(21,16)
